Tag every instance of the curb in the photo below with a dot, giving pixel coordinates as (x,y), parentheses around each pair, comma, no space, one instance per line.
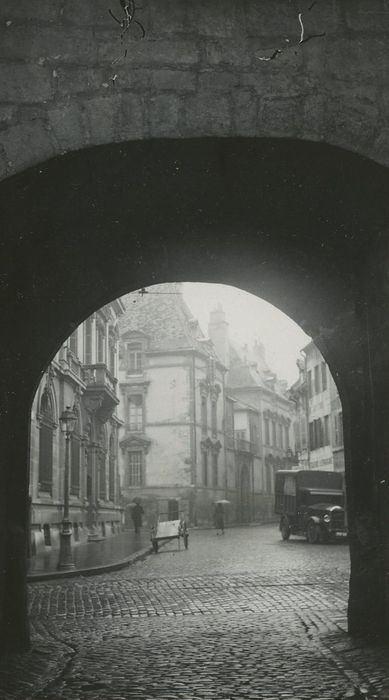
(91,571)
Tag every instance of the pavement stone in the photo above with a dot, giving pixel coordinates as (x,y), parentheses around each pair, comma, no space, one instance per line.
(241,617)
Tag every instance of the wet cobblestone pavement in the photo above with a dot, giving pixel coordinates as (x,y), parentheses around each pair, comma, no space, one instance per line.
(244,616)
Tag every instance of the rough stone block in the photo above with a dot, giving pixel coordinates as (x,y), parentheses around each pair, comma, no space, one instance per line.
(352,120)
(161,52)
(7,113)
(47,10)
(102,117)
(314,116)
(130,122)
(173,80)
(25,83)
(16,42)
(71,80)
(245,112)
(163,115)
(282,116)
(91,12)
(231,53)
(67,126)
(218,81)
(207,114)
(65,44)
(164,18)
(219,18)
(26,144)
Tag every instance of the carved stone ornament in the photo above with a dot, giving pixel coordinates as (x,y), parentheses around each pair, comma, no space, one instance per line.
(93,402)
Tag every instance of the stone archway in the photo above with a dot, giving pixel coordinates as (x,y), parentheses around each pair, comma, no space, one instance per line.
(302,225)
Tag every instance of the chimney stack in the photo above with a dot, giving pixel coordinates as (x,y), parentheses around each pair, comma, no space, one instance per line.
(218,333)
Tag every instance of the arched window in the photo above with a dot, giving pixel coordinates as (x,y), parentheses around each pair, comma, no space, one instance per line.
(45,476)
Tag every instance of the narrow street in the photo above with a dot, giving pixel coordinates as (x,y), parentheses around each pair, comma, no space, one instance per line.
(244,615)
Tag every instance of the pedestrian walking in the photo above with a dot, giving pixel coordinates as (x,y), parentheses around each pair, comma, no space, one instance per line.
(136,515)
(219,518)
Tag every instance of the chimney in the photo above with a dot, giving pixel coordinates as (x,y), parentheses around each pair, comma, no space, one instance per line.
(218,333)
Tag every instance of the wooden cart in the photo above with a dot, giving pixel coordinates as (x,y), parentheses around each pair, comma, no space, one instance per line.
(165,530)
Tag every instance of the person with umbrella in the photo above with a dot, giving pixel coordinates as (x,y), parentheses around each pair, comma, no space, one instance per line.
(136,515)
(219,517)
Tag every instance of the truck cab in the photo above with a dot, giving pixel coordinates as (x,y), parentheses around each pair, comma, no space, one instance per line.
(310,503)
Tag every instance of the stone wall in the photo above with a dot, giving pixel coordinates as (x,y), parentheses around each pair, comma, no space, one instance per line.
(196,73)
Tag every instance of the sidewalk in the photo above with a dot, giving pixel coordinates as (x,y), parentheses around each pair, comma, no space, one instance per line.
(93,557)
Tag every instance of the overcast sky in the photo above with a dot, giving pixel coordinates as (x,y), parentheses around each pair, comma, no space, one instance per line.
(249,318)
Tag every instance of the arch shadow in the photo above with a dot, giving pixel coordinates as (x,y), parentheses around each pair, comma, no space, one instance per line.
(299,224)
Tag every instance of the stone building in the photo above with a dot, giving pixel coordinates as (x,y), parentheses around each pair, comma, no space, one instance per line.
(324,413)
(82,376)
(172,448)
(276,186)
(262,411)
(298,394)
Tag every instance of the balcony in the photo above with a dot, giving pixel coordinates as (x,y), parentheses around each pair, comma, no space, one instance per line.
(100,393)
(240,445)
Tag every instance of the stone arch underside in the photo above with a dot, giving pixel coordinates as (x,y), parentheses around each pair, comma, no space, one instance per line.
(196,73)
(300,224)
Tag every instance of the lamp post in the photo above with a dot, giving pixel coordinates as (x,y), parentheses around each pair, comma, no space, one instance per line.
(67,421)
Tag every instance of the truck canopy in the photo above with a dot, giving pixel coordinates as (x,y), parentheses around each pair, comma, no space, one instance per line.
(288,481)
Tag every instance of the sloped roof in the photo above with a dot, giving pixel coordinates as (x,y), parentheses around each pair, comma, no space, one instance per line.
(162,314)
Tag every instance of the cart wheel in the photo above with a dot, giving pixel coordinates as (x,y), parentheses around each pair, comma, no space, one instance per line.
(186,540)
(313,533)
(155,546)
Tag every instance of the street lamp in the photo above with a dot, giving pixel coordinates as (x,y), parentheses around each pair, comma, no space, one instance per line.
(67,421)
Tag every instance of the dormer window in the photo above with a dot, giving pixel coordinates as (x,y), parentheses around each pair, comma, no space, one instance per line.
(134,358)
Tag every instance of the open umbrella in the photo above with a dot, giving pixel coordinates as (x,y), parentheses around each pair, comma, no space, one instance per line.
(223,501)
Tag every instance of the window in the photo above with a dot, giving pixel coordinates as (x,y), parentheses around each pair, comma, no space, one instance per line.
(338,429)
(135,412)
(75,463)
(46,444)
(215,477)
(267,432)
(214,418)
(286,437)
(317,379)
(205,468)
(309,379)
(134,358)
(112,464)
(102,479)
(204,414)
(323,376)
(100,341)
(112,355)
(88,341)
(326,430)
(274,434)
(281,432)
(73,342)
(135,468)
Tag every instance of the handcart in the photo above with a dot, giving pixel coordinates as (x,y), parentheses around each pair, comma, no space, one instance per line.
(165,530)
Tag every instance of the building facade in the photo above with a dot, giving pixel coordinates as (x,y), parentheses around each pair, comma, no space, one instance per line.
(172,446)
(262,419)
(317,392)
(82,376)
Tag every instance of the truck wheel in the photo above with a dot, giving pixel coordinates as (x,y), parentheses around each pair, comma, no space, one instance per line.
(285,529)
(313,533)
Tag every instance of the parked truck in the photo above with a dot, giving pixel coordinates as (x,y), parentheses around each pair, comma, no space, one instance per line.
(310,503)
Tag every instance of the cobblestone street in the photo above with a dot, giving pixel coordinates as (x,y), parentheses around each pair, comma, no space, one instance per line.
(241,616)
